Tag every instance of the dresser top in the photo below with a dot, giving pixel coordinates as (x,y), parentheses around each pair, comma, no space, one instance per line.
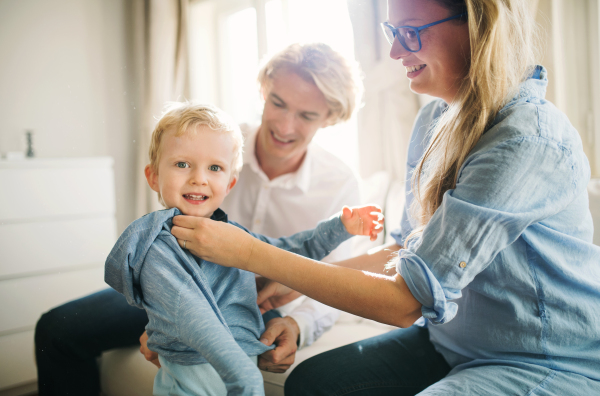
(45,163)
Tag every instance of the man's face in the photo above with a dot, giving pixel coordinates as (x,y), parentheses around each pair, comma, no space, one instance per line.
(194,171)
(294,110)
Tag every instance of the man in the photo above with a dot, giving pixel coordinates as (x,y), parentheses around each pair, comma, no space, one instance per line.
(286,185)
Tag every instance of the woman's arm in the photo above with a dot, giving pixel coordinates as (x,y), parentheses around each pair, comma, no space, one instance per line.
(273,295)
(374,260)
(382,298)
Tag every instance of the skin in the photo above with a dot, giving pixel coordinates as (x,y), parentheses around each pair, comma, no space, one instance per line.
(348,287)
(445,48)
(295,109)
(194,171)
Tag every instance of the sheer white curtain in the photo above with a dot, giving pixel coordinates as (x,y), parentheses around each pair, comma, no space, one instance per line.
(160,33)
(385,121)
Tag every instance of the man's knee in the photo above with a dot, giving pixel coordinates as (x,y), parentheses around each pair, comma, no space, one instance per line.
(45,329)
(53,334)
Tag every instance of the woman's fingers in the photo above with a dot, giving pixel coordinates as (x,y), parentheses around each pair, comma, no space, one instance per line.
(187,221)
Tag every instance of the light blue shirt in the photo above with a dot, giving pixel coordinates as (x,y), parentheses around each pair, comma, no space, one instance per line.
(198,311)
(506,270)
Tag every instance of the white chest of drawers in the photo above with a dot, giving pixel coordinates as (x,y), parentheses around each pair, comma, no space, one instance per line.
(57,225)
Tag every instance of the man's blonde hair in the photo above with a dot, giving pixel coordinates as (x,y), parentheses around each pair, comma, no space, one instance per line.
(336,77)
(185,117)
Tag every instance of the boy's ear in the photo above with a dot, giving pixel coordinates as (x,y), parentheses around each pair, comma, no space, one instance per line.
(231,184)
(151,177)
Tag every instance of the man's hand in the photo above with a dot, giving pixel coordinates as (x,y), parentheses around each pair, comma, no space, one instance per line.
(148,354)
(273,295)
(363,220)
(284,332)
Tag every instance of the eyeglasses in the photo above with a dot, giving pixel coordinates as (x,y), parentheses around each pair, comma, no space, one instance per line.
(409,36)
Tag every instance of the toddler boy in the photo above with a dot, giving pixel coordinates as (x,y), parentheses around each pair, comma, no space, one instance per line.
(203,319)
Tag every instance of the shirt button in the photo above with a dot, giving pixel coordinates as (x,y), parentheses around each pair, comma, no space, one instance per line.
(256,221)
(462,264)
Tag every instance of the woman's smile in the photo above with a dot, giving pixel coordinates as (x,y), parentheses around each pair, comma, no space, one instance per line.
(414,71)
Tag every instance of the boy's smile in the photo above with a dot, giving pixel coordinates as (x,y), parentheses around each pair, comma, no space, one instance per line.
(194,170)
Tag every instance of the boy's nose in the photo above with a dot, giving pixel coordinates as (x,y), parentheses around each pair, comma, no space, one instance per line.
(199,178)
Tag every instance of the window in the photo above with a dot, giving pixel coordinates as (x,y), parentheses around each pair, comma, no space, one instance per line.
(229,37)
(571,52)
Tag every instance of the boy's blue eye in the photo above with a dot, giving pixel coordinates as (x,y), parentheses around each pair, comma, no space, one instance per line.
(215,168)
(182,165)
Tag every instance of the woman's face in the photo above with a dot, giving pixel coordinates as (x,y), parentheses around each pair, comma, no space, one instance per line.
(444,56)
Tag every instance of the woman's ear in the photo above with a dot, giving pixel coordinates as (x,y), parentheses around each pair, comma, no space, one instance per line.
(231,184)
(151,177)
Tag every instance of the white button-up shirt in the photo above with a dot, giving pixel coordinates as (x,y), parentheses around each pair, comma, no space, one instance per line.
(292,203)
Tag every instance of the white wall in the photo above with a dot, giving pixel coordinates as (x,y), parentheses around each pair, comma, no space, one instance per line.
(65,73)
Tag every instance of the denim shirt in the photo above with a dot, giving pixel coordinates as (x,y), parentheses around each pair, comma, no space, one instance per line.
(506,269)
(198,311)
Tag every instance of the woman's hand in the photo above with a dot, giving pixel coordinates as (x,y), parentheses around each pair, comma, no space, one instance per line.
(273,295)
(214,241)
(363,220)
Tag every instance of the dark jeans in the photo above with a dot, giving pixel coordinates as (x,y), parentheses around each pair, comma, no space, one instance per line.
(69,339)
(402,362)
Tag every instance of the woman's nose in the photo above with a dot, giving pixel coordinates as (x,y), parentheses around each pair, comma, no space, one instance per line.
(398,51)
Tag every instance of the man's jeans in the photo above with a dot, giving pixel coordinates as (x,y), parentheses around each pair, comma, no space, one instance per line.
(69,339)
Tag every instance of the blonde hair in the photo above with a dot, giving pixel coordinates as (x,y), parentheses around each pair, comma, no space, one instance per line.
(336,77)
(501,35)
(185,117)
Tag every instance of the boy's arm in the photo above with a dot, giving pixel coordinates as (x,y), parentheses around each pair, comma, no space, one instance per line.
(329,234)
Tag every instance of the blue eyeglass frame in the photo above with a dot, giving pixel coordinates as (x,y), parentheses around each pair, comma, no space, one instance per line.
(394,30)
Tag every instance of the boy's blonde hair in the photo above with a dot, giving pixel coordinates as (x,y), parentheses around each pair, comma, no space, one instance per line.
(336,77)
(184,117)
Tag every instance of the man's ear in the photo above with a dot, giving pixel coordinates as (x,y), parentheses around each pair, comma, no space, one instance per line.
(151,177)
(231,184)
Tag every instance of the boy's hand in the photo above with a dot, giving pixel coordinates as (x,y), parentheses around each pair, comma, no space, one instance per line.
(363,220)
(150,356)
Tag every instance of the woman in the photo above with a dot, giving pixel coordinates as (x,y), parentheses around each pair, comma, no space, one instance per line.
(497,247)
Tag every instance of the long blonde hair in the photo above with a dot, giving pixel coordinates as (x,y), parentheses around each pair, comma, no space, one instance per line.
(501,35)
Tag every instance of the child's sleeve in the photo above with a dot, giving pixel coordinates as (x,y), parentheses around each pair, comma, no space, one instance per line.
(188,312)
(315,244)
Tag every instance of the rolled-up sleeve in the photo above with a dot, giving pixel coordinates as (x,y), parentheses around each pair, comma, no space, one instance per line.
(502,189)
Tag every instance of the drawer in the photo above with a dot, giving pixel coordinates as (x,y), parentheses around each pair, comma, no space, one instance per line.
(17,362)
(25,299)
(51,245)
(56,192)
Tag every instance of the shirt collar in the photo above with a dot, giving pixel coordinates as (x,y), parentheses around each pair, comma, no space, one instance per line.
(299,178)
(219,215)
(534,87)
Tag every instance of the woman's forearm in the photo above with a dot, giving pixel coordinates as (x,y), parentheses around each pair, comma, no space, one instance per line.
(374,260)
(382,298)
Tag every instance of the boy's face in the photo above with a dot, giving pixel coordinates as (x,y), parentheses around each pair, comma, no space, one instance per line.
(194,171)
